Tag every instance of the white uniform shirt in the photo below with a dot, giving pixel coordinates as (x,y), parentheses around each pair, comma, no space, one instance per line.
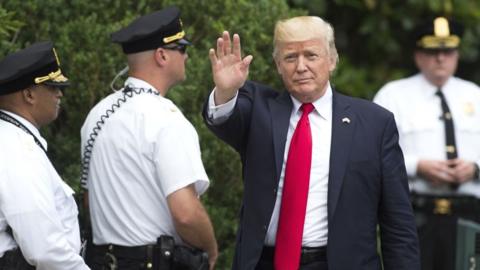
(417,113)
(36,203)
(315,230)
(145,151)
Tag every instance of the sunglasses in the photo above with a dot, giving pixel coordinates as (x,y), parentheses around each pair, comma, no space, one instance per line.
(435,52)
(177,47)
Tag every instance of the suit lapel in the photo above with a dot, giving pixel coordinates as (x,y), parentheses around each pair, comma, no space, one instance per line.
(343,126)
(280,110)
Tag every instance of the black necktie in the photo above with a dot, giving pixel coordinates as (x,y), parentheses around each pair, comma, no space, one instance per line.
(450,147)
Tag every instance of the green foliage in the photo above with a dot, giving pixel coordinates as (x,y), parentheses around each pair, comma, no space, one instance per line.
(81,33)
(9,26)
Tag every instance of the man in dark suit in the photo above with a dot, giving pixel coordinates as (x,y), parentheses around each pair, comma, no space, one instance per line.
(321,170)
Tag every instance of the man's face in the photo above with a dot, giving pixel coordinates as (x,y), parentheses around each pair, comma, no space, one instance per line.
(47,103)
(305,68)
(179,57)
(437,65)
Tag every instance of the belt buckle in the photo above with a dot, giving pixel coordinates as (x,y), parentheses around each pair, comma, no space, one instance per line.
(442,206)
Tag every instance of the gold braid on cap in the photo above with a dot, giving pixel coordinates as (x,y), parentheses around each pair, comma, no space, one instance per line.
(177,36)
(56,76)
(433,42)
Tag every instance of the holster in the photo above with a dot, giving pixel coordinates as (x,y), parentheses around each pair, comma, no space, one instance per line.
(177,257)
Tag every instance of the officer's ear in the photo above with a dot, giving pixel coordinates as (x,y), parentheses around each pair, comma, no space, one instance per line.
(160,56)
(28,95)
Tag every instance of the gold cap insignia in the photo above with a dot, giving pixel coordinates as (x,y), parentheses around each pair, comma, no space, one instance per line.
(441,37)
(440,27)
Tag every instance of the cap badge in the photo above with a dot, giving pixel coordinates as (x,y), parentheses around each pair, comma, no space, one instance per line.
(441,28)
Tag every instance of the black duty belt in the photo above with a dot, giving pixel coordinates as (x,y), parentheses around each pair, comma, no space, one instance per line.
(465,206)
(308,254)
(113,252)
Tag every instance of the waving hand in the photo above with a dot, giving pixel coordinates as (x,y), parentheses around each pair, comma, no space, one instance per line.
(229,70)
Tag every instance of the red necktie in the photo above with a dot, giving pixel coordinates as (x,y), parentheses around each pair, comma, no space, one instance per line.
(294,195)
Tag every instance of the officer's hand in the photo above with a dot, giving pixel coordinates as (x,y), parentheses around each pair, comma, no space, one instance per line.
(229,70)
(463,170)
(436,171)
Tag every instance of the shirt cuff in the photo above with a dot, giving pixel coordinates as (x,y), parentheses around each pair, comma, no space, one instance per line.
(411,163)
(218,114)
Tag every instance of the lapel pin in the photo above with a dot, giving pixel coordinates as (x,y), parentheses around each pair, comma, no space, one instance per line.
(346,120)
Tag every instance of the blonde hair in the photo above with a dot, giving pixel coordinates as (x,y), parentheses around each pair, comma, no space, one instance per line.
(305,28)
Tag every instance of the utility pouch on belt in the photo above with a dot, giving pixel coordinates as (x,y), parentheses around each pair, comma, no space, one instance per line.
(162,259)
(171,256)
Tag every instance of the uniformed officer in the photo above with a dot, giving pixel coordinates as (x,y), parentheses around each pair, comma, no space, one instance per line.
(438,118)
(141,156)
(38,215)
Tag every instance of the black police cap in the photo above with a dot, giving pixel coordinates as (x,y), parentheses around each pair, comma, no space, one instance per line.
(36,64)
(439,33)
(152,31)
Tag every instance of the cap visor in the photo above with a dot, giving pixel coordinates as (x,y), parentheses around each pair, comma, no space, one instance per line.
(184,42)
(57,84)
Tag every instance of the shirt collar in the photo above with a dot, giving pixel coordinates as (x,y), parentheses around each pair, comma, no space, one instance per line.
(139,83)
(323,105)
(30,127)
(431,89)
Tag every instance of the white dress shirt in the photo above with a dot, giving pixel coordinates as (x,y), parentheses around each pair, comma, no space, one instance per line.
(417,113)
(315,231)
(145,151)
(35,202)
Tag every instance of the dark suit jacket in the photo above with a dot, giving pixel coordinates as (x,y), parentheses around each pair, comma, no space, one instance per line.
(367,180)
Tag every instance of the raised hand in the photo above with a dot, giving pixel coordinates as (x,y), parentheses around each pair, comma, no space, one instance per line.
(229,70)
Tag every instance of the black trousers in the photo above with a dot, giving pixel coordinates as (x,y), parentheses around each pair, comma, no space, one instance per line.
(14,260)
(436,218)
(438,242)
